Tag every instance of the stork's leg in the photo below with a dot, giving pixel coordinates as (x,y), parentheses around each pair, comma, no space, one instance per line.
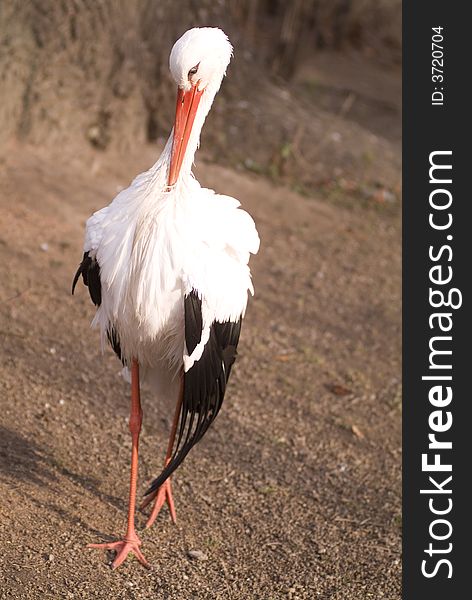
(130,543)
(164,493)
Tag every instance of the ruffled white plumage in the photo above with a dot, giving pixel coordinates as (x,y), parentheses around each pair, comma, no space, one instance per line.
(153,247)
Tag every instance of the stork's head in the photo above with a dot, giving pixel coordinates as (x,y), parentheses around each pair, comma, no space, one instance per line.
(198,63)
(200,57)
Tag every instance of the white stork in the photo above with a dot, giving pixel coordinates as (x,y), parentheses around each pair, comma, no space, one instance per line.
(166,264)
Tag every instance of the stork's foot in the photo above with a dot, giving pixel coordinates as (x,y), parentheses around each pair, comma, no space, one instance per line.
(128,545)
(161,496)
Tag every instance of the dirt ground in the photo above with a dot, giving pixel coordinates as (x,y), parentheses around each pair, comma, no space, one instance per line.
(294,492)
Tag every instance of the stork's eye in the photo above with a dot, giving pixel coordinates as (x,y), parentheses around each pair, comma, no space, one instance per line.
(193,70)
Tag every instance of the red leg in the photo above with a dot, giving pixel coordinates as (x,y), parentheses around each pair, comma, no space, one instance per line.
(130,543)
(164,493)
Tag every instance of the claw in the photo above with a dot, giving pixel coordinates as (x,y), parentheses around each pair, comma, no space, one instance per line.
(161,496)
(122,549)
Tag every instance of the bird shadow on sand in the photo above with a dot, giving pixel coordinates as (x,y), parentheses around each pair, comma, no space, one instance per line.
(24,464)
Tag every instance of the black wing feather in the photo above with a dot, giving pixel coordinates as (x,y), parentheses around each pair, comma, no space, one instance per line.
(115,344)
(193,321)
(90,271)
(204,383)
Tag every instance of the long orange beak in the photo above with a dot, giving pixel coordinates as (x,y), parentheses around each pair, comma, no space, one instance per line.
(187,105)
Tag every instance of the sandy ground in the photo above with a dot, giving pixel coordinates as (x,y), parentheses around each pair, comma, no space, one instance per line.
(295,491)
